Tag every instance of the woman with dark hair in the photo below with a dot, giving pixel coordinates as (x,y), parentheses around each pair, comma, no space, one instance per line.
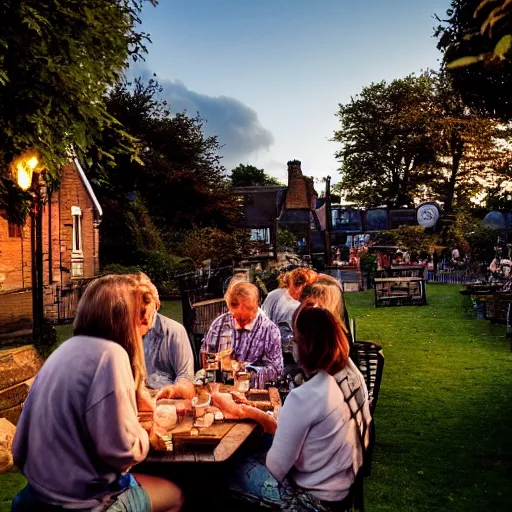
(314,456)
(78,434)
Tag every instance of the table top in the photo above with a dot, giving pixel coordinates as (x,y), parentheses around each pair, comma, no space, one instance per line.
(397,279)
(216,443)
(237,433)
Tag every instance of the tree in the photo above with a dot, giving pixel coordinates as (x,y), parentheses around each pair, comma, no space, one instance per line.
(472,150)
(57,61)
(248,175)
(475,38)
(177,185)
(386,141)
(415,138)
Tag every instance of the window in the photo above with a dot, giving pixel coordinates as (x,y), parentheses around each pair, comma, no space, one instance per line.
(77,256)
(260,235)
(77,229)
(14,230)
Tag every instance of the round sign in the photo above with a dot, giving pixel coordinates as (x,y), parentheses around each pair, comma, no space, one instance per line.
(427,215)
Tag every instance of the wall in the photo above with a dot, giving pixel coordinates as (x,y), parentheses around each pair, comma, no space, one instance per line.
(15,311)
(15,253)
(15,269)
(73,193)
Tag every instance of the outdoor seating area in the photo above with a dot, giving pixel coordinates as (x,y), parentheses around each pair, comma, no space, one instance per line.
(445,375)
(218,295)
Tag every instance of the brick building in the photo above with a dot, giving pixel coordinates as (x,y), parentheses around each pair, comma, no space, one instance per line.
(70,225)
(293,208)
(299,215)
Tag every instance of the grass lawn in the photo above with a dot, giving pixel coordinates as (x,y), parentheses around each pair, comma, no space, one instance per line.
(444,417)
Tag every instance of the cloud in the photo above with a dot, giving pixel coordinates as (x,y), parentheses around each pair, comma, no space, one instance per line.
(237,126)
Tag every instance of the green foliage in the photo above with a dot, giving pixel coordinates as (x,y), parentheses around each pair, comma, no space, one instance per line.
(162,267)
(499,15)
(57,61)
(469,234)
(202,244)
(385,141)
(286,240)
(115,268)
(178,183)
(416,240)
(476,40)
(414,137)
(248,175)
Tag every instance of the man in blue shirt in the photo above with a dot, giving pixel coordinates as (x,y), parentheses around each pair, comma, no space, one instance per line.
(167,348)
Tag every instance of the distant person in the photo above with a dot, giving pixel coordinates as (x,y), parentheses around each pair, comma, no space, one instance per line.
(167,349)
(78,434)
(250,335)
(281,304)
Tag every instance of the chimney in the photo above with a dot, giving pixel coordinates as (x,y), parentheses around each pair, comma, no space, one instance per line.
(297,193)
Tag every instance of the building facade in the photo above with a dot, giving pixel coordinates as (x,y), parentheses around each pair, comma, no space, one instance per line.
(70,227)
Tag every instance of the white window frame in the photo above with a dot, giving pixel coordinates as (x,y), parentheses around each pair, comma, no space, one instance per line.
(77,255)
(76,215)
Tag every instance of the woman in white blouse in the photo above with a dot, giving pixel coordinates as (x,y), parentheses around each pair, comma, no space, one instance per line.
(316,451)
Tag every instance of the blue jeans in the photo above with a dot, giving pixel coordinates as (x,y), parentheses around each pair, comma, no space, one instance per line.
(131,498)
(252,482)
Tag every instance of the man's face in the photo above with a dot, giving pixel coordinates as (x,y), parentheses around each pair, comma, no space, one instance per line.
(147,319)
(244,313)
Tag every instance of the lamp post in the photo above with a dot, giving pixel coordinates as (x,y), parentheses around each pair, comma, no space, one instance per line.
(26,170)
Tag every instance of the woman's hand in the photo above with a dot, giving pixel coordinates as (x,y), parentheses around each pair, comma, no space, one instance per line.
(144,401)
(182,388)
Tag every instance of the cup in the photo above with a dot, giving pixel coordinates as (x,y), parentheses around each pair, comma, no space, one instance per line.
(242,381)
(165,417)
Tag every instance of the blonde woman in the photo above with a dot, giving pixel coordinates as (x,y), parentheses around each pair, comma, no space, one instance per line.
(326,293)
(281,304)
(78,434)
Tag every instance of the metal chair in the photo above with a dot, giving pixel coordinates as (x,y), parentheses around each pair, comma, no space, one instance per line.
(370,361)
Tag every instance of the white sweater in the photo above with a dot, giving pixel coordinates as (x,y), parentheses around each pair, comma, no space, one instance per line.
(315,443)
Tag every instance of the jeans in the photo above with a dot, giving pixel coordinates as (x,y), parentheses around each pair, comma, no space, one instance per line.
(131,498)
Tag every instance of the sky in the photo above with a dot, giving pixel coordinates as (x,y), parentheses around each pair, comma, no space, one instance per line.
(268,75)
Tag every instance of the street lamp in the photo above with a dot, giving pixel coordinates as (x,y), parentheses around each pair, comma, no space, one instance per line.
(26,169)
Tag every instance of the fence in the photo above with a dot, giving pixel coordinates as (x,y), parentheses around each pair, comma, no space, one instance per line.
(454,277)
(61,302)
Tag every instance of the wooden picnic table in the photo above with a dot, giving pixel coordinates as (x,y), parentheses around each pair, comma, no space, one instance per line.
(233,435)
(397,279)
(399,291)
(213,444)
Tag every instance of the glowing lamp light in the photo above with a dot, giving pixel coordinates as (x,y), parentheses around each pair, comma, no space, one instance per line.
(23,167)
(24,176)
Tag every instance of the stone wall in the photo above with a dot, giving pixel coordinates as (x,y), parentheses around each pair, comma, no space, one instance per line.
(18,367)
